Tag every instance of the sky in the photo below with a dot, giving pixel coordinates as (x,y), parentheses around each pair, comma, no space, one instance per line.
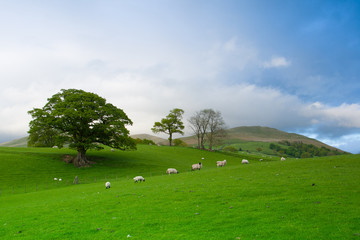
(290,65)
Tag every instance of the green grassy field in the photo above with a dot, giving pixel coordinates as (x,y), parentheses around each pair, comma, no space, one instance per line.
(294,199)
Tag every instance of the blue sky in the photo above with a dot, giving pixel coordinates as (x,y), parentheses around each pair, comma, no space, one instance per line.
(291,65)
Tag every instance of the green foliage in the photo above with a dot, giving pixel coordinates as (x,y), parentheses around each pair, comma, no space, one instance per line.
(144,141)
(230,149)
(179,143)
(171,124)
(301,150)
(81,119)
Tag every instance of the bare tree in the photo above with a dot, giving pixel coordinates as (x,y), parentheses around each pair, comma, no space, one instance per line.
(216,127)
(199,124)
(195,124)
(207,125)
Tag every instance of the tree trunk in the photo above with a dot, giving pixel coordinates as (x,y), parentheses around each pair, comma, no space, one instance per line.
(170,139)
(80,160)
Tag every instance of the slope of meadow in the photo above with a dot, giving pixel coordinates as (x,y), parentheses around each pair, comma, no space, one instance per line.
(293,199)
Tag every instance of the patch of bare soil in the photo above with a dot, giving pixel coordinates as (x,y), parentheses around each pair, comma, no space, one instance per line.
(68,158)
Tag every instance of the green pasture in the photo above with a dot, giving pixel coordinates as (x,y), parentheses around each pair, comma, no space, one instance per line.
(314,198)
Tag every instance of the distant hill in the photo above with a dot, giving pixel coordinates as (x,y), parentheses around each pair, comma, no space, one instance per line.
(157,140)
(261,134)
(20,142)
(234,135)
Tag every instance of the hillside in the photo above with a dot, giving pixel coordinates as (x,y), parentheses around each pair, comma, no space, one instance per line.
(156,140)
(260,134)
(20,142)
(269,199)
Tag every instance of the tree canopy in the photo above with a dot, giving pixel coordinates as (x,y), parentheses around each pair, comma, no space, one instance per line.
(81,119)
(170,124)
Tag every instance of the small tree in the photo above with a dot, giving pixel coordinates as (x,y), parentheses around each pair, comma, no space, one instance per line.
(171,124)
(83,120)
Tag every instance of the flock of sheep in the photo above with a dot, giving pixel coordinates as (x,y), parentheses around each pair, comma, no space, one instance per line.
(196,166)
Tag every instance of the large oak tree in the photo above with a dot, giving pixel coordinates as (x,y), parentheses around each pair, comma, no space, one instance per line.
(81,119)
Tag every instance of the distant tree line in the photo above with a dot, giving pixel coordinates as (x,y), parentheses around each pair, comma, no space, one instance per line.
(302,150)
(144,141)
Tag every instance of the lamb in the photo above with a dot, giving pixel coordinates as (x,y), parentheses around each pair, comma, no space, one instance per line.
(139,179)
(196,166)
(107,185)
(283,159)
(221,163)
(172,171)
(244,161)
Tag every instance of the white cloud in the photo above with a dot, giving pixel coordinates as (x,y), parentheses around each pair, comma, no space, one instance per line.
(345,115)
(276,62)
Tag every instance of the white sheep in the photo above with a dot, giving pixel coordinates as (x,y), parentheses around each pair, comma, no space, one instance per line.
(244,161)
(107,185)
(112,150)
(55,179)
(196,166)
(221,163)
(60,179)
(171,171)
(283,159)
(139,179)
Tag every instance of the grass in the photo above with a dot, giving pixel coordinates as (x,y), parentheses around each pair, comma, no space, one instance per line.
(294,199)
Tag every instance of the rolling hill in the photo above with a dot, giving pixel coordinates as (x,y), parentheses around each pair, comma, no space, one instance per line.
(260,134)
(20,142)
(234,135)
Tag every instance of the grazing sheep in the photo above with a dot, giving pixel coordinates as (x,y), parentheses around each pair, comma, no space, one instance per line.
(112,150)
(283,159)
(260,159)
(172,171)
(60,179)
(55,179)
(244,161)
(221,163)
(139,179)
(107,185)
(196,166)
